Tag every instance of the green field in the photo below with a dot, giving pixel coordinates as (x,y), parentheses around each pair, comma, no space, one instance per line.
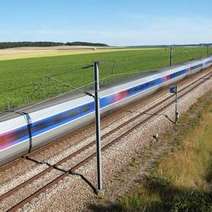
(25,81)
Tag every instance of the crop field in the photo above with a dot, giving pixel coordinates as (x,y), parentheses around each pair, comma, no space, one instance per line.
(35,52)
(29,80)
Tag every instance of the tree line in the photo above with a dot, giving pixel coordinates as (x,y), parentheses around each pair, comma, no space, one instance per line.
(5,45)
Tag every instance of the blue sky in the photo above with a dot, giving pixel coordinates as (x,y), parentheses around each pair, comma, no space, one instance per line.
(116,22)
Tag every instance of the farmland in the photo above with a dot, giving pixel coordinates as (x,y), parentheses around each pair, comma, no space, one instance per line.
(35,52)
(29,80)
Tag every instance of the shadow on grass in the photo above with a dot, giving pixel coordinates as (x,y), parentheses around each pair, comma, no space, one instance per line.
(170,198)
(209,173)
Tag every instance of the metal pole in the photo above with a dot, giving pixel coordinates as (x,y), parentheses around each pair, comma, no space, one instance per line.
(176,106)
(170,56)
(98,135)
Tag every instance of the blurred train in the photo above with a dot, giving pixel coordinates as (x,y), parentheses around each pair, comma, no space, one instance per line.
(27,129)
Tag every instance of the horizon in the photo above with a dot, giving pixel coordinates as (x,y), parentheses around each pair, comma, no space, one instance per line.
(119,23)
(65,43)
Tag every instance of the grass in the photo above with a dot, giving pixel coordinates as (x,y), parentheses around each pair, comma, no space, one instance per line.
(182,181)
(25,81)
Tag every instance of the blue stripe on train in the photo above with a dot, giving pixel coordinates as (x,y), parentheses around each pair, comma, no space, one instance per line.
(196,66)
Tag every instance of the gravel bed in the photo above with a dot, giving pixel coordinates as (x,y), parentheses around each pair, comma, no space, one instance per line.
(20,179)
(26,191)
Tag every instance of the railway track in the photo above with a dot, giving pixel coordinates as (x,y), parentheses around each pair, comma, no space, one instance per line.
(121,130)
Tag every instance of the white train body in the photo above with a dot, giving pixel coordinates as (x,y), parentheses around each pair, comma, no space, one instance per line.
(35,127)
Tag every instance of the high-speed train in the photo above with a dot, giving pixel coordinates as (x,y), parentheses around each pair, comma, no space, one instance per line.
(27,129)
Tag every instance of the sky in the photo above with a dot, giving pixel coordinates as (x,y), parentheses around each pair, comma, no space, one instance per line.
(115,22)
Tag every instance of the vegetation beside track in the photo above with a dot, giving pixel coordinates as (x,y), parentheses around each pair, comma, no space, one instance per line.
(182,178)
(25,81)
